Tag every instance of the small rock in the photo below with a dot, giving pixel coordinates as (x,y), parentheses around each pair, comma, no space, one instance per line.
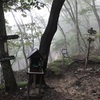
(98,97)
(93,91)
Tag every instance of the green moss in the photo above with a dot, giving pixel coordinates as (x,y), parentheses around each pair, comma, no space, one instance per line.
(22,84)
(2,86)
(57,65)
(98,57)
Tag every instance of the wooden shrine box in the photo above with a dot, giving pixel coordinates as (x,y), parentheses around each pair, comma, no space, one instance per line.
(36,60)
(35,70)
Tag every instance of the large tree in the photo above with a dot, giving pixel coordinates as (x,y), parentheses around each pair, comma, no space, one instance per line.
(49,32)
(9,78)
(10,82)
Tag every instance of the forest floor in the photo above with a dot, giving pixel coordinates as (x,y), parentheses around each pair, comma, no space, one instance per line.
(75,83)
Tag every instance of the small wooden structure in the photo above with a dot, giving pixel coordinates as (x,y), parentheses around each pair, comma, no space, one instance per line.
(64,54)
(35,59)
(35,68)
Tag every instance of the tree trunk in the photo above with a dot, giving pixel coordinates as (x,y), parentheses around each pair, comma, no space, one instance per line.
(9,78)
(97,17)
(49,32)
(22,41)
(93,6)
(71,13)
(76,25)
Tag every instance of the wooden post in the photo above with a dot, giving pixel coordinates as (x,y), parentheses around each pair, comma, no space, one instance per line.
(87,57)
(34,78)
(90,39)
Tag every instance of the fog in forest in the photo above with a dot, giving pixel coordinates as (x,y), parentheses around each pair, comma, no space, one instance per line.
(75,19)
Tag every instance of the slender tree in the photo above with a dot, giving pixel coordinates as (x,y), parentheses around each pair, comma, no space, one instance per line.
(64,36)
(74,16)
(94,9)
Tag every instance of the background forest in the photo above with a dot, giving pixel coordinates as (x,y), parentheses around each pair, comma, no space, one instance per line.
(29,22)
(75,19)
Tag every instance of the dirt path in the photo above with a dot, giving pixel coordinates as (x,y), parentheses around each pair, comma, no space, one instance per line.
(76,85)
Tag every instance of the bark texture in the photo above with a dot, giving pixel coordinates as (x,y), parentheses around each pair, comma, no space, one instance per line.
(50,30)
(10,82)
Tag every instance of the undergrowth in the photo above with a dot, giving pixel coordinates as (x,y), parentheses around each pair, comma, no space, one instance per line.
(20,84)
(57,66)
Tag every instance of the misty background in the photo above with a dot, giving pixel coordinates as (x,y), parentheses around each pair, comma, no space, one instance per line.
(75,19)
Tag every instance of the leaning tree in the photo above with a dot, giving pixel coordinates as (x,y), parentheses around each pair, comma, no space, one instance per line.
(49,32)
